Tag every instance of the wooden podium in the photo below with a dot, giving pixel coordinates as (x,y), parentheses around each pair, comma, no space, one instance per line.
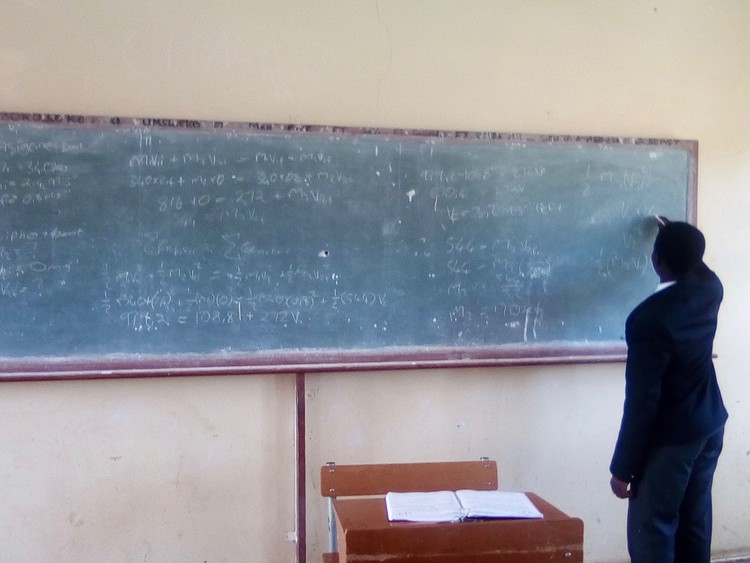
(363,532)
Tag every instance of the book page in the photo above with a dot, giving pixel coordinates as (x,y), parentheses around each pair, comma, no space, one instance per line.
(438,506)
(497,504)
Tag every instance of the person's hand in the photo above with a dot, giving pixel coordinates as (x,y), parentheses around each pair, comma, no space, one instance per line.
(621,489)
(662,221)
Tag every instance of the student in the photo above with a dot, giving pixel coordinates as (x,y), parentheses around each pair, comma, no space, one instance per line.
(672,427)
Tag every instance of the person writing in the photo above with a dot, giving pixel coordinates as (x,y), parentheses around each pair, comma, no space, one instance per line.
(673,420)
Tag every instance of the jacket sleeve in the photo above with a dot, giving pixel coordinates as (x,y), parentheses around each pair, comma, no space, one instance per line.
(648,357)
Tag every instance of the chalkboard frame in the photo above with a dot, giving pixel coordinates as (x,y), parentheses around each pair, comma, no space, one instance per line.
(294,361)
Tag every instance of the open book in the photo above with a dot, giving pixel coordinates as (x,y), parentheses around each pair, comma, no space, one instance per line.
(450,506)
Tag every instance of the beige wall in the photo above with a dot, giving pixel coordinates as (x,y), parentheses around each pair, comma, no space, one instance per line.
(201,469)
(147,470)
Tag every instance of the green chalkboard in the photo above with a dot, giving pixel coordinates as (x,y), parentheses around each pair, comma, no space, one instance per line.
(151,246)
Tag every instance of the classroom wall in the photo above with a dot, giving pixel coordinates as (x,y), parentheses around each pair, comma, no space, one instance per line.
(202,469)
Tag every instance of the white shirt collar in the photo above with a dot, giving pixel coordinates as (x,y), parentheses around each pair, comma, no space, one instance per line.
(664,285)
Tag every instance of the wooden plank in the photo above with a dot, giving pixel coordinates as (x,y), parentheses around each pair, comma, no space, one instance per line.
(375,479)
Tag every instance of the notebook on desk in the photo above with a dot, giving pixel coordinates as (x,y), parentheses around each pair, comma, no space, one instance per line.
(453,506)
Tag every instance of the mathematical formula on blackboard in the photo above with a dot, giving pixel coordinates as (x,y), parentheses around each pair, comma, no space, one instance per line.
(141,239)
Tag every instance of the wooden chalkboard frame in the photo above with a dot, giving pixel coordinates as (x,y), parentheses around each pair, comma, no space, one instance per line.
(120,366)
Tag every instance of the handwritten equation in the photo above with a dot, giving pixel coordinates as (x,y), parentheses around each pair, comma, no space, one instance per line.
(162,235)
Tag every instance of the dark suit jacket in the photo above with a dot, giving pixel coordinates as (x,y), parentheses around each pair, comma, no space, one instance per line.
(671,392)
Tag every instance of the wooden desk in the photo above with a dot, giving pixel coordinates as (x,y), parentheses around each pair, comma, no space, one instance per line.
(365,534)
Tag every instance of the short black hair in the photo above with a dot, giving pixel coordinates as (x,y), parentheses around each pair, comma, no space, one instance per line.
(680,246)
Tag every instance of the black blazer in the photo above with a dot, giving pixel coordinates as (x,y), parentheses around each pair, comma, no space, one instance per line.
(671,392)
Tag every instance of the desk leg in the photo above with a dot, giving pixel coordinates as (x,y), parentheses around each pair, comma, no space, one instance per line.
(332,529)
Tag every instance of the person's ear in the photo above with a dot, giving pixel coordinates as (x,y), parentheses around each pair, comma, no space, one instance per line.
(661,269)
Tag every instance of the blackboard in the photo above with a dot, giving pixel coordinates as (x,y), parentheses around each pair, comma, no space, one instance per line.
(160,246)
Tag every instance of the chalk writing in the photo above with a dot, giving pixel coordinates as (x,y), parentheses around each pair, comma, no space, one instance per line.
(160,236)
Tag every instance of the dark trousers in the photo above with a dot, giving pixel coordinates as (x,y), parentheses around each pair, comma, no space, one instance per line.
(669,515)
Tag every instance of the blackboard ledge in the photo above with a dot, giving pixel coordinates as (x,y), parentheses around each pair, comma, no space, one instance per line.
(307,361)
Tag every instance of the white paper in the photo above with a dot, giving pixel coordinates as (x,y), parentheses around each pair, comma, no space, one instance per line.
(438,506)
(497,504)
(450,506)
